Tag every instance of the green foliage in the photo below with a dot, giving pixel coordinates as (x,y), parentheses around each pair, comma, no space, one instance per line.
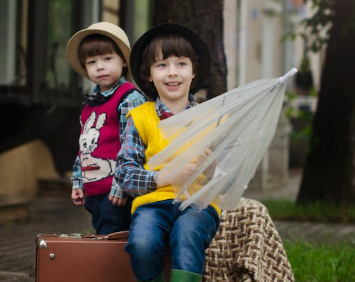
(316,28)
(295,113)
(323,263)
(320,212)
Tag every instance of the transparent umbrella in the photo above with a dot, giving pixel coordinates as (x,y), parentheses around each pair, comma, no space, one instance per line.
(237,126)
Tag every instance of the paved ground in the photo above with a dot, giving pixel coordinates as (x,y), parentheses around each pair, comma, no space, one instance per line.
(289,192)
(59,215)
(47,215)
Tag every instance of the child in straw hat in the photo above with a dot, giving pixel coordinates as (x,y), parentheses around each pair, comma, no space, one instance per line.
(169,63)
(101,54)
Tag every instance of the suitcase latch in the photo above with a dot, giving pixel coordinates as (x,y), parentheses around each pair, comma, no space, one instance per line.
(42,244)
(74,236)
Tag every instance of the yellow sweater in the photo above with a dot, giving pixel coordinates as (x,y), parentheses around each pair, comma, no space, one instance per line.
(146,121)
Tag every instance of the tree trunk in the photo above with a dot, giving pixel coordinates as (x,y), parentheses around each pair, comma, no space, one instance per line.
(329,172)
(205,17)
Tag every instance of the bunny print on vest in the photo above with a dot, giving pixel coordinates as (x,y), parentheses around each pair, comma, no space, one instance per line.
(99,143)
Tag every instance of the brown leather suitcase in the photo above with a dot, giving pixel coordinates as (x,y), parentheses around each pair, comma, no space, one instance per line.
(85,258)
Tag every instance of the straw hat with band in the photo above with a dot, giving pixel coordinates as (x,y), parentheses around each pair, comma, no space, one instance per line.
(104,28)
(201,49)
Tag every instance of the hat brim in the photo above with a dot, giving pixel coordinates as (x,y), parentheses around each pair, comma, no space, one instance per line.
(200,47)
(72,50)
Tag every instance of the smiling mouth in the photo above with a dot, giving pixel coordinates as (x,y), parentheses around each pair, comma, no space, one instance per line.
(173,84)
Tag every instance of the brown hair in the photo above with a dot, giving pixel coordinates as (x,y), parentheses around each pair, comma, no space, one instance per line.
(98,44)
(169,45)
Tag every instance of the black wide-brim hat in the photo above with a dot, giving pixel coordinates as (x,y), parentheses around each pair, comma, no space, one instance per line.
(200,47)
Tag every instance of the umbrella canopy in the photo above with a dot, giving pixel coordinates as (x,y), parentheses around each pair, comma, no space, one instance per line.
(237,127)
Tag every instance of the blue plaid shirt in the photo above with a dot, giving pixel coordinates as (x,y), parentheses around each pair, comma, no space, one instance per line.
(130,176)
(129,102)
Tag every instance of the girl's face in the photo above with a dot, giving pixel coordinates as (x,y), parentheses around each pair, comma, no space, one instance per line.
(172,78)
(105,70)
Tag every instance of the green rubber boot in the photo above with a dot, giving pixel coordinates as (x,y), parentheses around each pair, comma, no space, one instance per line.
(184,276)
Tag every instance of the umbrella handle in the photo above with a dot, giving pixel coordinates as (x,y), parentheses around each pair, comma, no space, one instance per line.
(288,75)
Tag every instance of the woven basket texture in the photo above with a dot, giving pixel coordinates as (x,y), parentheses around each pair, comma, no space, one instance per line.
(247,247)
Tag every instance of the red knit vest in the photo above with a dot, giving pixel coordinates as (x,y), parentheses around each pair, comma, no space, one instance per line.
(100,142)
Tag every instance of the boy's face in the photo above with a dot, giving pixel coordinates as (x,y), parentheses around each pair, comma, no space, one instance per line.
(172,78)
(105,70)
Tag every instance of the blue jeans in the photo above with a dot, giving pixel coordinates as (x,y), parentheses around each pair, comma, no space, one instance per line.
(106,217)
(157,224)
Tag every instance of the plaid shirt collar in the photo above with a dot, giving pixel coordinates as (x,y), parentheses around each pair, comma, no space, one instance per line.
(110,91)
(163,110)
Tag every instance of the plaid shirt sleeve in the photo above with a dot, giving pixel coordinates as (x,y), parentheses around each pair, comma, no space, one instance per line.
(76,179)
(130,174)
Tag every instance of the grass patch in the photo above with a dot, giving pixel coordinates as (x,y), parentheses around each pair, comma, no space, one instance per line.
(323,263)
(320,212)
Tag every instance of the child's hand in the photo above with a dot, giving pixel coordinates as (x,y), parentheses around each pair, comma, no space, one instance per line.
(162,177)
(201,158)
(185,174)
(117,201)
(78,197)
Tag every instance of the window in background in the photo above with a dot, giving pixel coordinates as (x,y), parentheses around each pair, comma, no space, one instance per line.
(13,43)
(60,29)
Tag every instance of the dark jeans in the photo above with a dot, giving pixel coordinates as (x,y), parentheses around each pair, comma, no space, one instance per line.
(106,217)
(155,225)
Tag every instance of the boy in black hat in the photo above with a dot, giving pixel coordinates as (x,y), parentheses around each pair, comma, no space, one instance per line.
(169,63)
